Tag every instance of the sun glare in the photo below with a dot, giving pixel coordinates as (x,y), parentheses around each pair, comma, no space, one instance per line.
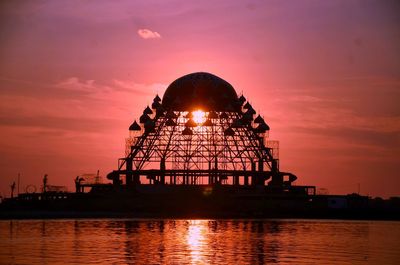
(199,117)
(196,240)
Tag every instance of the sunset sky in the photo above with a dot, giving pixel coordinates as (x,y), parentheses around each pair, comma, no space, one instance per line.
(324,74)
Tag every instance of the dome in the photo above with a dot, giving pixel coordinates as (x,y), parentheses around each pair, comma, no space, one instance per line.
(203,91)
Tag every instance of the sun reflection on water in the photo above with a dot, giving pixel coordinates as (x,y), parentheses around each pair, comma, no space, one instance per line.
(107,241)
(196,240)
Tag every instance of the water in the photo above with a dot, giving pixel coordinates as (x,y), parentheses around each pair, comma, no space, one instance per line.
(116,241)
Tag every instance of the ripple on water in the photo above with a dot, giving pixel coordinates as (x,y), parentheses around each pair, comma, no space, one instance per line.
(111,241)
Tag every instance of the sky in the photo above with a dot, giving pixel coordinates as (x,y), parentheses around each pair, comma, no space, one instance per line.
(325,75)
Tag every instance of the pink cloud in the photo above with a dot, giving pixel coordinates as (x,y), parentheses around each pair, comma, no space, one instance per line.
(148,34)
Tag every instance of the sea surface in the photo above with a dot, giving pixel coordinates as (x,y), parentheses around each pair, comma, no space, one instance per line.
(137,241)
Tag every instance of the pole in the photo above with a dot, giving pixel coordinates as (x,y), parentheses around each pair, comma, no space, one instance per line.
(19,175)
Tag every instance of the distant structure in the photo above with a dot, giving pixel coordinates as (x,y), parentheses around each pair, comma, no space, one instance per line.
(44,186)
(49,188)
(201,133)
(12,186)
(87,180)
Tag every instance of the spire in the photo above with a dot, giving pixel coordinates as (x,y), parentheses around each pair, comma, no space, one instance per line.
(259,120)
(242,99)
(157,99)
(134,126)
(144,118)
(148,111)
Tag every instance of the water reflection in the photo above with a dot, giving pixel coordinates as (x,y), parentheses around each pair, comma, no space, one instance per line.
(195,240)
(131,228)
(198,242)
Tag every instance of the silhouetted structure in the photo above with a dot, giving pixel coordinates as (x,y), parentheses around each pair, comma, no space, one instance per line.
(12,186)
(202,133)
(44,187)
(200,151)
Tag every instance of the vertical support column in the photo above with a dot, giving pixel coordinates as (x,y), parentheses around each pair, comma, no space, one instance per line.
(236,180)
(162,171)
(136,179)
(245,178)
(260,180)
(129,175)
(215,177)
(277,179)
(253,170)
(209,174)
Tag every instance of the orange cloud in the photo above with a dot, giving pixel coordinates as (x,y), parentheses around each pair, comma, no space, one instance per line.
(148,34)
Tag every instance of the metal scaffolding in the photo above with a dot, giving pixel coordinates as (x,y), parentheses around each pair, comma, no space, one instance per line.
(214,144)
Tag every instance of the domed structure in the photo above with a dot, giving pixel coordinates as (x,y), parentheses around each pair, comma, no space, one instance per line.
(200,90)
(201,133)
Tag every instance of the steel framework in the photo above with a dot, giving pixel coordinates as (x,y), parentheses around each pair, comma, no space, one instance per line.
(201,148)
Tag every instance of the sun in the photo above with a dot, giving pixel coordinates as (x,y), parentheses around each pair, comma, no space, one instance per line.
(199,117)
